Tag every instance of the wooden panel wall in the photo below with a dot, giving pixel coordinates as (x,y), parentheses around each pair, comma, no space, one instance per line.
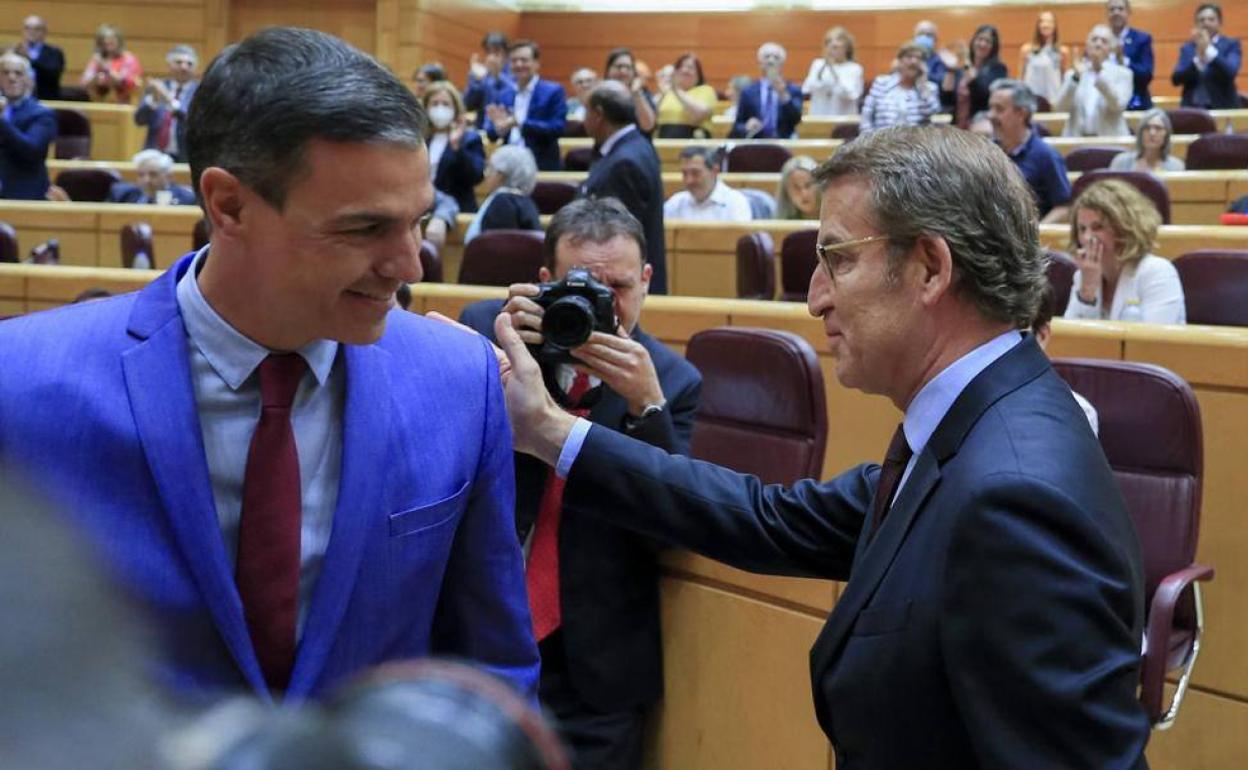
(352,20)
(447,31)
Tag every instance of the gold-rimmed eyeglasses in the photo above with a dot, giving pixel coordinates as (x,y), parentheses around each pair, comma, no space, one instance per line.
(824,250)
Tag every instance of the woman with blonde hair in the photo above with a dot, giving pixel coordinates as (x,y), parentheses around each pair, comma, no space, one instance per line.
(797,196)
(834,82)
(113,73)
(456,152)
(1113,229)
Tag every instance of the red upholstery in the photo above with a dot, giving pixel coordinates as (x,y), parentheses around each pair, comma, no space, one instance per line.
(430,263)
(1215,286)
(1151,432)
(846,131)
(1191,120)
(201,234)
(552,196)
(1218,151)
(8,243)
(1091,158)
(574,128)
(136,239)
(1043,104)
(1151,187)
(502,257)
(762,409)
(87,184)
(757,157)
(756,266)
(1061,277)
(73,134)
(797,264)
(74,94)
(579,159)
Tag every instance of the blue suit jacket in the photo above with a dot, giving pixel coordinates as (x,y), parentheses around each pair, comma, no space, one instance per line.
(995,618)
(1218,78)
(488,90)
(125,192)
(750,105)
(1137,49)
(544,124)
(98,408)
(459,171)
(24,140)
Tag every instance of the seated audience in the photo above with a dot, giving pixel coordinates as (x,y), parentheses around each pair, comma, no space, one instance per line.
(154,170)
(1208,63)
(510,176)
(622,68)
(47,59)
(113,73)
(1010,109)
(736,85)
(166,102)
(973,81)
(1112,228)
(489,76)
(687,103)
(1043,59)
(834,83)
(430,73)
(705,198)
(797,195)
(770,107)
(534,114)
(1152,147)
(26,130)
(1042,330)
(441,218)
(902,98)
(456,152)
(1096,90)
(583,81)
(1134,50)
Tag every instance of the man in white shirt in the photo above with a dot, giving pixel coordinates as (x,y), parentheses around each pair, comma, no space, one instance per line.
(705,198)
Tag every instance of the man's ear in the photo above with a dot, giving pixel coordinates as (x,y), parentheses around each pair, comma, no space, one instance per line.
(935,263)
(646,272)
(223,197)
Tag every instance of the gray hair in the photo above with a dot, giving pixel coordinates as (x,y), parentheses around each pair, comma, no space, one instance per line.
(785,209)
(772,46)
(592,220)
(1020,93)
(951,184)
(1155,112)
(182,50)
(711,156)
(163,162)
(517,167)
(13,56)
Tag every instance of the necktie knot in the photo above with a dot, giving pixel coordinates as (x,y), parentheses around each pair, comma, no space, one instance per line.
(279,379)
(898,448)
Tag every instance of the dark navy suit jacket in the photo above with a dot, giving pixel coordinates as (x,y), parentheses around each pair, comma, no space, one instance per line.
(994,620)
(1218,79)
(543,125)
(750,105)
(24,140)
(488,90)
(459,171)
(1137,50)
(124,192)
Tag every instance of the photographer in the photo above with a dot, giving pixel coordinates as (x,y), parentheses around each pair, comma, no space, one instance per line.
(595,596)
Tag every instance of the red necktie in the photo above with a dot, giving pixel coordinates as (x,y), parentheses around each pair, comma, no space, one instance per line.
(894,466)
(165,132)
(269,534)
(541,575)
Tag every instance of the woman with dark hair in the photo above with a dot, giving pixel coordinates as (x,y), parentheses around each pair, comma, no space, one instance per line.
(1043,60)
(622,67)
(973,80)
(687,102)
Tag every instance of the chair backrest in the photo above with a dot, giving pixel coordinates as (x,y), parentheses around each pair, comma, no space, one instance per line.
(1061,272)
(502,257)
(757,157)
(552,196)
(762,204)
(846,131)
(430,263)
(762,409)
(201,234)
(574,128)
(87,184)
(1043,104)
(1191,120)
(1091,158)
(74,94)
(136,245)
(1213,152)
(8,243)
(73,134)
(1041,128)
(1215,286)
(797,264)
(1150,186)
(579,159)
(756,266)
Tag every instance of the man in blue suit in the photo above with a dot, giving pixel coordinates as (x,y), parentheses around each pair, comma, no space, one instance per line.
(534,114)
(166,103)
(154,170)
(489,77)
(770,107)
(26,130)
(1135,50)
(1209,63)
(994,607)
(295,480)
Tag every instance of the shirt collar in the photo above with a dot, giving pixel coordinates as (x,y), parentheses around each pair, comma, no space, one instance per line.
(527,90)
(935,398)
(615,138)
(719,194)
(231,354)
(1023,145)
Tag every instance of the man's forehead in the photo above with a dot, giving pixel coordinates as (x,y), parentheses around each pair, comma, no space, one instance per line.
(619,253)
(845,212)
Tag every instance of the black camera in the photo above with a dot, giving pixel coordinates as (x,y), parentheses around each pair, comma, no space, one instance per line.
(575,308)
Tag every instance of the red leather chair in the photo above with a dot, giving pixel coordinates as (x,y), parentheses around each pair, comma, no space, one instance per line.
(87,184)
(8,243)
(552,196)
(201,234)
(756,266)
(574,128)
(1043,104)
(757,157)
(1191,120)
(579,159)
(1212,152)
(1150,430)
(797,264)
(74,94)
(762,409)
(846,131)
(73,134)
(1215,286)
(1150,186)
(502,257)
(1061,272)
(1085,159)
(430,263)
(136,244)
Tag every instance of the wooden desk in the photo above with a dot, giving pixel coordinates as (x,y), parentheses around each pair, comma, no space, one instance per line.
(90,233)
(114,136)
(181,171)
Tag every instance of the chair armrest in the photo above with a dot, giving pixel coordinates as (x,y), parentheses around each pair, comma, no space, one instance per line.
(1160,623)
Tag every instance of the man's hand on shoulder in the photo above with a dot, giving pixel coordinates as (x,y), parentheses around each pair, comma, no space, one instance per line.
(624,365)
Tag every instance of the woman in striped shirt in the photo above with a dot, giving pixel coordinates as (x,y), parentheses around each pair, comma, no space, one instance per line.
(904,97)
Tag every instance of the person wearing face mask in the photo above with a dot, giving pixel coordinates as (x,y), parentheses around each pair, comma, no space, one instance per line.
(1096,90)
(456,152)
(939,60)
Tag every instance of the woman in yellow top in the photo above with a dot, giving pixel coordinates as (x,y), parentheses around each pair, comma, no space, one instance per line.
(687,102)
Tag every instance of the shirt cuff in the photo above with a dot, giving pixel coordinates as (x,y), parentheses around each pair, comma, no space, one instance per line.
(572,447)
(1211,52)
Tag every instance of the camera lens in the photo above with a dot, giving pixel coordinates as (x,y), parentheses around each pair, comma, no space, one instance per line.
(568,321)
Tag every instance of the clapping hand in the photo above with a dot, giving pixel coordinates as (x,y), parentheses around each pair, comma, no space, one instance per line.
(1089,260)
(501,117)
(476,67)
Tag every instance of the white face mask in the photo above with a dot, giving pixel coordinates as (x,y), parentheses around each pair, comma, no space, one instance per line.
(441,116)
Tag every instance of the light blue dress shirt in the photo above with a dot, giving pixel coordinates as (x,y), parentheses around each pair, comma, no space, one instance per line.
(227,396)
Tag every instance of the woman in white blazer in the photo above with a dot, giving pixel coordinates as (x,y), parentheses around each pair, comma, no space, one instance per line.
(1096,90)
(834,83)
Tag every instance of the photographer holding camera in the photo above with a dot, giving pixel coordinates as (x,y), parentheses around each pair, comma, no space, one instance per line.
(593,587)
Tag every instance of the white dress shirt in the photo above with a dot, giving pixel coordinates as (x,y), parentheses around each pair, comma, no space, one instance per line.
(1096,101)
(1149,286)
(520,110)
(833,89)
(724,204)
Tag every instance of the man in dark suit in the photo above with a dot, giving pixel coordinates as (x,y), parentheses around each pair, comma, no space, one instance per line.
(154,172)
(47,59)
(26,130)
(602,661)
(1135,50)
(534,114)
(1209,63)
(994,607)
(166,102)
(628,169)
(770,107)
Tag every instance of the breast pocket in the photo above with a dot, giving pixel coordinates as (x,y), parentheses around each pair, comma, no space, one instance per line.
(883,619)
(431,516)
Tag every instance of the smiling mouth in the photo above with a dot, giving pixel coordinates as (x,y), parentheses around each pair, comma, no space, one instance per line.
(374,296)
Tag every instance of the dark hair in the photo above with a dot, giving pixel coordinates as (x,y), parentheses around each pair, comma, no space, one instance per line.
(596,220)
(433,72)
(1037,39)
(616,53)
(1210,6)
(300,85)
(996,43)
(494,40)
(697,63)
(710,155)
(614,101)
(1046,310)
(529,44)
